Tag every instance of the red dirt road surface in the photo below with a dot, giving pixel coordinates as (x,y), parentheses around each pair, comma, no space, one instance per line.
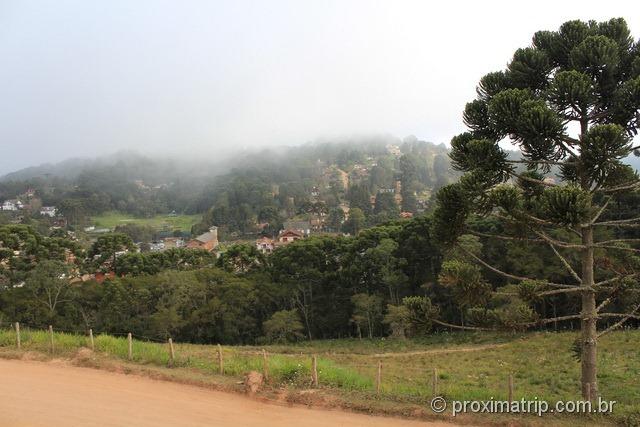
(44,394)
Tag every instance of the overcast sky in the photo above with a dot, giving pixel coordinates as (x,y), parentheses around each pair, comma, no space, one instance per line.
(85,78)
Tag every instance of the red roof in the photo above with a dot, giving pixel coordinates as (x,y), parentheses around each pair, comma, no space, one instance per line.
(290,233)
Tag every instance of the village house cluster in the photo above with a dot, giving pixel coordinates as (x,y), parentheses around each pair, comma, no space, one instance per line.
(27,201)
(293,230)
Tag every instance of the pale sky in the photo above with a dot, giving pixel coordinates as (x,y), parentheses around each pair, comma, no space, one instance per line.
(86,78)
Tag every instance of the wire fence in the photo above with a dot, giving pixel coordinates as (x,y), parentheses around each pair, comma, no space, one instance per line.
(302,370)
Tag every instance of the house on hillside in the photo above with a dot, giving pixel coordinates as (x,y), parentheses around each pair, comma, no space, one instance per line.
(359,174)
(265,245)
(287,236)
(207,241)
(30,193)
(302,227)
(156,246)
(49,211)
(58,222)
(394,150)
(317,223)
(12,205)
(174,242)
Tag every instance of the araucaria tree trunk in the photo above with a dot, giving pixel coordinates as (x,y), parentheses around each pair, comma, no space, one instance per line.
(589,318)
(589,344)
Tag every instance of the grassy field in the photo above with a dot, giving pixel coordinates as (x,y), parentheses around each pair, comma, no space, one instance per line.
(470,366)
(160,222)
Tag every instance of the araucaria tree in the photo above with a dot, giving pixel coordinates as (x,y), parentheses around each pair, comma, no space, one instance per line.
(570,103)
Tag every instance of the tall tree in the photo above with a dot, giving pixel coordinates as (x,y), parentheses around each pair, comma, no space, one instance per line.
(359,197)
(355,222)
(386,203)
(571,100)
(106,248)
(409,178)
(366,311)
(49,283)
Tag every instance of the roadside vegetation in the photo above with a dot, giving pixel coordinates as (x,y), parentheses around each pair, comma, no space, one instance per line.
(469,365)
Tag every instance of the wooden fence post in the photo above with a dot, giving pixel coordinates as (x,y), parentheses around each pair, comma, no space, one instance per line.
(265,365)
(510,388)
(130,342)
(172,354)
(51,338)
(93,345)
(434,382)
(314,370)
(18,343)
(220,361)
(379,377)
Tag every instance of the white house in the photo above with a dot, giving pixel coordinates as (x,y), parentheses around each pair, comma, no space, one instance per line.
(11,205)
(265,245)
(49,211)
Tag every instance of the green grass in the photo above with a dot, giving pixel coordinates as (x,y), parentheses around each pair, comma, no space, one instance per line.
(436,341)
(282,369)
(541,363)
(160,222)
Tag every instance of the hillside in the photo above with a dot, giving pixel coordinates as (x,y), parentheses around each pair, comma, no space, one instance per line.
(321,182)
(251,193)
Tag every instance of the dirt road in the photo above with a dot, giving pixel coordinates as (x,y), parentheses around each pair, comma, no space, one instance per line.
(46,394)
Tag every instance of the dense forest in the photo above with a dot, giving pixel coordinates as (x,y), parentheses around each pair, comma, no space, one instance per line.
(321,178)
(393,279)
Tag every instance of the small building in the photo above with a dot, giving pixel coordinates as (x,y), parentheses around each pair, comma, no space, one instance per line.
(394,150)
(287,236)
(174,242)
(207,241)
(265,245)
(317,223)
(12,205)
(49,211)
(156,246)
(59,222)
(30,193)
(302,227)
